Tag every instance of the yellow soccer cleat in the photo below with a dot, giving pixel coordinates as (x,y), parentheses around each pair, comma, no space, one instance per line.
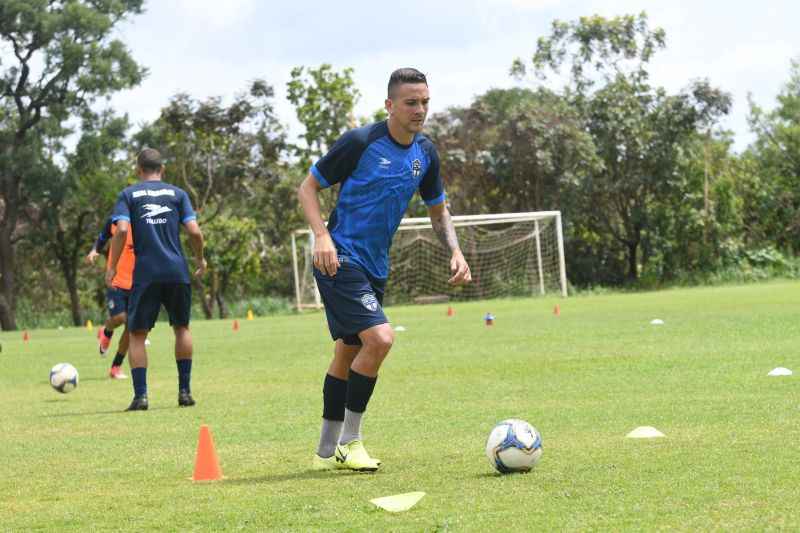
(354,456)
(325,463)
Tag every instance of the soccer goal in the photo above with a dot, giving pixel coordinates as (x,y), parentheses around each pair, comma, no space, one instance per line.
(510,255)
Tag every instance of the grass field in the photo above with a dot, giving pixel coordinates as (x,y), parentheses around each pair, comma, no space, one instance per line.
(584,379)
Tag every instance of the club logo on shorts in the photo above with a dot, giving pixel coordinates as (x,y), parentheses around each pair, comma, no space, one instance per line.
(416,167)
(111,304)
(370,302)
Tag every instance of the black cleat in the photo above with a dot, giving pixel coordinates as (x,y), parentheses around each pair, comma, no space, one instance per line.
(185,399)
(139,403)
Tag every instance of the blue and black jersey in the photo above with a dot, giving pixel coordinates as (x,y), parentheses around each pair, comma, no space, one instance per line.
(155,211)
(378,177)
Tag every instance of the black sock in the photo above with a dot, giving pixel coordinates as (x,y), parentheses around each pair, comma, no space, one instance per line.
(108,333)
(184,374)
(334,396)
(359,391)
(139,376)
(118,359)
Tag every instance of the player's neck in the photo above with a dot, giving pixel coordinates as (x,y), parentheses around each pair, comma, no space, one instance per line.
(400,135)
(151,177)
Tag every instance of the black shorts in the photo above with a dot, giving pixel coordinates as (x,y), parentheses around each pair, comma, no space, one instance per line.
(353,301)
(146,300)
(117,301)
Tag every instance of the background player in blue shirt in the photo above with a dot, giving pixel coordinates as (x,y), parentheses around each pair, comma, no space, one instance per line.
(154,211)
(379,168)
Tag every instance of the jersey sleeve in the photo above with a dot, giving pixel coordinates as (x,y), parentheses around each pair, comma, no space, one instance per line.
(340,161)
(122,209)
(185,210)
(431,187)
(104,236)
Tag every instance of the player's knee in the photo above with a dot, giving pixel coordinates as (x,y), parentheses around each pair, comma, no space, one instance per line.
(382,340)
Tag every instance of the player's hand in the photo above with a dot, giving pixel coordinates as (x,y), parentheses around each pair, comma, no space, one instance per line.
(459,269)
(91,256)
(325,258)
(201,269)
(110,273)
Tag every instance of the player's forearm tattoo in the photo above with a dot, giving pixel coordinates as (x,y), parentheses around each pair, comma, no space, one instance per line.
(445,231)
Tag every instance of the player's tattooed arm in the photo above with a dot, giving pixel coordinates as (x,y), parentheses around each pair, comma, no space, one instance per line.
(443,227)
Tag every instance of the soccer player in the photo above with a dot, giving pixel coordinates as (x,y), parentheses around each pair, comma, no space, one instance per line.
(378,167)
(117,296)
(153,211)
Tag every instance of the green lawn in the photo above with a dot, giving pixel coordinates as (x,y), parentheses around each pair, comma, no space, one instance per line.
(584,379)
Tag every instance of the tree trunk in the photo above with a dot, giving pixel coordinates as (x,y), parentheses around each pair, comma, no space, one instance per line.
(206,300)
(221,290)
(633,268)
(9,193)
(8,300)
(74,299)
(222,306)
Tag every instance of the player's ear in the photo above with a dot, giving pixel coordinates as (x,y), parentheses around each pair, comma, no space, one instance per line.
(388,105)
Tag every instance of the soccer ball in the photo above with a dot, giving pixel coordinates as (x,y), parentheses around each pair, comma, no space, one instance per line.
(514,446)
(63,377)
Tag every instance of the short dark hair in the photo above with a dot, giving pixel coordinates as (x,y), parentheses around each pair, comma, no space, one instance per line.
(405,75)
(149,160)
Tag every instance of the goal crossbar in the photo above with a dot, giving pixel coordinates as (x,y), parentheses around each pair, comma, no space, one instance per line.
(466,220)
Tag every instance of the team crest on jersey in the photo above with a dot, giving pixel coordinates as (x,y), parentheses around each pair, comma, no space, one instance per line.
(416,168)
(370,302)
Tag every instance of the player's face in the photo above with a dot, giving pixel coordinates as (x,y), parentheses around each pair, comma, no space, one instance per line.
(408,107)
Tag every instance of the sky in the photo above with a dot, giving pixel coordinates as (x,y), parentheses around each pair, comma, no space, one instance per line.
(214,48)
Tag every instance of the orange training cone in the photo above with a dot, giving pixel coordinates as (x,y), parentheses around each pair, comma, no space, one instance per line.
(206,464)
(450,311)
(557,310)
(25,336)
(235,325)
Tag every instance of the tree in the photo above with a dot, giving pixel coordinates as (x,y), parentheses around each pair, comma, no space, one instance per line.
(776,154)
(63,59)
(232,247)
(511,150)
(639,131)
(225,157)
(324,100)
(75,202)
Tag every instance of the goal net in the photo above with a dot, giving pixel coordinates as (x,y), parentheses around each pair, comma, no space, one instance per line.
(510,255)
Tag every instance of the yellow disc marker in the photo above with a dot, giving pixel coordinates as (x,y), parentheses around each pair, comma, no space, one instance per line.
(399,502)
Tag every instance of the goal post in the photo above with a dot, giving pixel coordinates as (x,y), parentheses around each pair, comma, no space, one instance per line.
(510,254)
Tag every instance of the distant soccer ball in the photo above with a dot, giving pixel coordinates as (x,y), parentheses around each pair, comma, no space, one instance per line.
(64,377)
(514,446)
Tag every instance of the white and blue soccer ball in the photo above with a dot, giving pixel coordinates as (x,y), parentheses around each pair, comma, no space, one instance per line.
(514,446)
(64,377)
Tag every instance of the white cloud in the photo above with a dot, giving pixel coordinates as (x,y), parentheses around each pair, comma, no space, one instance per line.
(212,47)
(535,5)
(213,14)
